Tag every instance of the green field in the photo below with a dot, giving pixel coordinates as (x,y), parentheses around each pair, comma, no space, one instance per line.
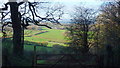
(54,43)
(0,34)
(49,36)
(52,36)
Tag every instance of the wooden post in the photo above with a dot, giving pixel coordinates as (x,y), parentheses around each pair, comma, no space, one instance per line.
(34,62)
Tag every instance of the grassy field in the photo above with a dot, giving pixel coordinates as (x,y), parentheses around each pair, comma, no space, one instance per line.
(0,34)
(34,37)
(54,38)
(54,35)
(28,51)
(51,36)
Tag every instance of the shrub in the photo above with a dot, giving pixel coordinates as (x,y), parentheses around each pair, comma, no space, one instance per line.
(57,46)
(44,43)
(8,31)
(33,27)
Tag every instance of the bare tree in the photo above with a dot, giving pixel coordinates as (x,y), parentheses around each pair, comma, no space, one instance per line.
(79,31)
(21,15)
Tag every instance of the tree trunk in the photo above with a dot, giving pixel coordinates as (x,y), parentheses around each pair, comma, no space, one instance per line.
(16,24)
(85,37)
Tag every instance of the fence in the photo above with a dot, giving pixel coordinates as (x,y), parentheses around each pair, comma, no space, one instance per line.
(66,61)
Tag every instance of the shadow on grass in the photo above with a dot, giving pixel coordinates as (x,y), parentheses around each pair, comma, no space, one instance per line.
(27,58)
(9,60)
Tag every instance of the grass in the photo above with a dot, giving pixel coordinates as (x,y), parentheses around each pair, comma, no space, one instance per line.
(41,61)
(1,34)
(34,39)
(28,51)
(31,32)
(52,36)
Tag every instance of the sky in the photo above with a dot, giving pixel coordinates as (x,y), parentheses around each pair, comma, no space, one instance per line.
(57,0)
(69,4)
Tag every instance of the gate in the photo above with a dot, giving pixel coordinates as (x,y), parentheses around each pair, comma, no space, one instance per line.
(59,61)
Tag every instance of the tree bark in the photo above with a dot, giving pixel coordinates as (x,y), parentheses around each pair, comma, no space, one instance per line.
(85,37)
(16,24)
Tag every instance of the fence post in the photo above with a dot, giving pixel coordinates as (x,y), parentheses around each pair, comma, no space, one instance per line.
(34,60)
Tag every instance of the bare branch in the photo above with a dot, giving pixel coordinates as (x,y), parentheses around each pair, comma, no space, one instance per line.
(20,3)
(5,24)
(44,25)
(6,6)
(3,16)
(52,19)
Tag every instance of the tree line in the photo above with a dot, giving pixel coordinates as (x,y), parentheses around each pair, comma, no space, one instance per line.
(97,34)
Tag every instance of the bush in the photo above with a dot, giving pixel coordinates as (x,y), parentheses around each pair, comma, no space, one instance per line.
(57,46)
(33,27)
(44,43)
(8,31)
